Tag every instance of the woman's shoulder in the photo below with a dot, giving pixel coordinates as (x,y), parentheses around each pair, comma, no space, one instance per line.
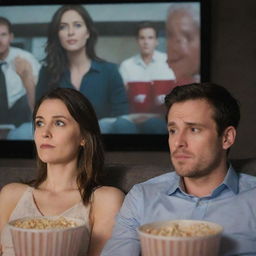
(108,194)
(13,190)
(105,64)
(9,196)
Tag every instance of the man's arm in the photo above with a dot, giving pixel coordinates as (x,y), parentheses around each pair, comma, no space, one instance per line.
(125,240)
(25,71)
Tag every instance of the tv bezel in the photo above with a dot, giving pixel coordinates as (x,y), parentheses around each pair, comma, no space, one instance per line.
(116,142)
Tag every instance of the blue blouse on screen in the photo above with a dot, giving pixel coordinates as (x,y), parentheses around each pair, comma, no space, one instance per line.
(102,85)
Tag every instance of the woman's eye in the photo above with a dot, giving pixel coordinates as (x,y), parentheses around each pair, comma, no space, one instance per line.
(59,123)
(172,131)
(39,123)
(78,25)
(62,26)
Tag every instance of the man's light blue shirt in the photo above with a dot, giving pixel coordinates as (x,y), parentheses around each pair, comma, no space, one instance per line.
(232,205)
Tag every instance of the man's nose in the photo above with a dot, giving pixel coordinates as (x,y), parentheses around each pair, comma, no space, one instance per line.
(180,140)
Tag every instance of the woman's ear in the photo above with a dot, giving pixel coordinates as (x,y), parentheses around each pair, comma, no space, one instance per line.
(229,136)
(82,143)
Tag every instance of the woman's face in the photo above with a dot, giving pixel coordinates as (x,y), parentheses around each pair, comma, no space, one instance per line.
(57,134)
(73,33)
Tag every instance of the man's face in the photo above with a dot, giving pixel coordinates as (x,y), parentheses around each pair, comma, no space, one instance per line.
(195,147)
(147,41)
(183,44)
(5,40)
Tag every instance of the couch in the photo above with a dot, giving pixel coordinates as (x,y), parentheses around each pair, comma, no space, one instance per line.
(119,174)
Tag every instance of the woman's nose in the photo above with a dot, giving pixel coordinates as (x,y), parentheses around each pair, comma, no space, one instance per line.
(70,30)
(46,133)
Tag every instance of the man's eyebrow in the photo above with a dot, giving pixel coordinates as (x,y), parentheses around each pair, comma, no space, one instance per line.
(187,123)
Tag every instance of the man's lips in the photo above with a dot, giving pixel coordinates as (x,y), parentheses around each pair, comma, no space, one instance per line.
(179,155)
(45,146)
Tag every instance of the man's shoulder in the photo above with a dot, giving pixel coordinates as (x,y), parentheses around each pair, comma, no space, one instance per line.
(162,56)
(129,61)
(21,52)
(161,182)
(247,182)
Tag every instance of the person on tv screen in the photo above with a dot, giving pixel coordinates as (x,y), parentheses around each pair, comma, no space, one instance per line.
(183,41)
(147,78)
(71,62)
(202,120)
(70,167)
(18,76)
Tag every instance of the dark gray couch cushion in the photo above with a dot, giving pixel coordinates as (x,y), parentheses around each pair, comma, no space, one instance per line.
(123,176)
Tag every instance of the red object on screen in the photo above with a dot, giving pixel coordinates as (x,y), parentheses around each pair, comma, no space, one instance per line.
(148,97)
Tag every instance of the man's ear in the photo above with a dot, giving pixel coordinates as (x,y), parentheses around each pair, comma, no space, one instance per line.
(229,136)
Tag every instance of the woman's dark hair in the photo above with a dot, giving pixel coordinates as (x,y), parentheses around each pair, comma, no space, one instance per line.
(91,157)
(226,107)
(56,58)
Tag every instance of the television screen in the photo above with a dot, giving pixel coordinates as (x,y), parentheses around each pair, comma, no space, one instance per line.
(143,50)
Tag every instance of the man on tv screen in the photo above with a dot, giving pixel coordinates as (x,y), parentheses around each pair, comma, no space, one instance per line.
(147,78)
(18,75)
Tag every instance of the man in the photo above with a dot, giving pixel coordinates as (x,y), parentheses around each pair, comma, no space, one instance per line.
(183,41)
(202,120)
(147,78)
(19,70)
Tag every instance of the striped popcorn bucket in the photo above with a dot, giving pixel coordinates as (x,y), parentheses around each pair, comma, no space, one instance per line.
(47,242)
(163,245)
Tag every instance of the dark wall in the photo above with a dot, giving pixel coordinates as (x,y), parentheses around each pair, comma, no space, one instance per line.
(233,63)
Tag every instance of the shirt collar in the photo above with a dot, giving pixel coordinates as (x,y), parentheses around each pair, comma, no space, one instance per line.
(139,60)
(95,66)
(230,181)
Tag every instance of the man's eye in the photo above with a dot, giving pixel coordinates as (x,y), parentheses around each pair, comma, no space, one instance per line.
(39,123)
(59,123)
(193,129)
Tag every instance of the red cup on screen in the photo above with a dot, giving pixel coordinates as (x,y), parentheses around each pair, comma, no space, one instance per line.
(140,96)
(159,90)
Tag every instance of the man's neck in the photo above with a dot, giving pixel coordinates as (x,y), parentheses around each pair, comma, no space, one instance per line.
(203,186)
(147,58)
(4,55)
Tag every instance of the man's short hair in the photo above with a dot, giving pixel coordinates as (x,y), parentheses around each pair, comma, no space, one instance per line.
(226,107)
(146,24)
(7,23)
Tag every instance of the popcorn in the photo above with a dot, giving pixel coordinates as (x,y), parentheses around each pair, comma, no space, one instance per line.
(42,223)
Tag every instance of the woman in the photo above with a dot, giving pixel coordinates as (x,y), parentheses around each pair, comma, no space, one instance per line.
(70,165)
(71,62)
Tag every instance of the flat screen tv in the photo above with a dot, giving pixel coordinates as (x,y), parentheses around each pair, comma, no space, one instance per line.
(116,23)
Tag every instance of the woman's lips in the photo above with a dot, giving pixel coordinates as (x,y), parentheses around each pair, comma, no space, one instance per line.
(45,146)
(71,41)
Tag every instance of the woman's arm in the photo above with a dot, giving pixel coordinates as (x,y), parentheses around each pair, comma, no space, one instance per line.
(105,205)
(9,196)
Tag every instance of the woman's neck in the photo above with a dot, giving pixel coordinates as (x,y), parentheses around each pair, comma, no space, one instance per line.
(60,177)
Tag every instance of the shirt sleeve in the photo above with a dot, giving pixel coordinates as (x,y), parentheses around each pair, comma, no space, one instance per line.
(125,239)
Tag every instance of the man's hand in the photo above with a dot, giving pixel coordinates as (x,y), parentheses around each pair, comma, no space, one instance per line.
(23,68)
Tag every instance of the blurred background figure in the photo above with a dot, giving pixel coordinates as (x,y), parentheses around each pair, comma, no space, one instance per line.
(18,76)
(147,78)
(183,42)
(71,62)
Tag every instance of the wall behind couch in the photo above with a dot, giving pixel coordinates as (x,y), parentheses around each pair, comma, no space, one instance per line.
(233,63)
